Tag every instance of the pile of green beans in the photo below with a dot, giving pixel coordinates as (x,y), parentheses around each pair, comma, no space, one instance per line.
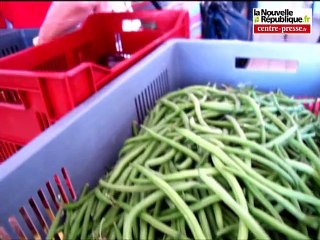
(208,163)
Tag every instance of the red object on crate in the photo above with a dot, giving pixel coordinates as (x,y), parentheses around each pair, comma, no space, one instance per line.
(41,84)
(29,14)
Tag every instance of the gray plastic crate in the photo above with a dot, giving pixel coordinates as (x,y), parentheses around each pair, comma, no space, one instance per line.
(86,141)
(15,40)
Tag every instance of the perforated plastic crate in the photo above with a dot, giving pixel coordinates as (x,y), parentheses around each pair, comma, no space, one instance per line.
(41,84)
(85,144)
(15,40)
(24,14)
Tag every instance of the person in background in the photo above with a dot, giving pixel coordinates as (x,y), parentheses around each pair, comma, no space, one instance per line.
(63,17)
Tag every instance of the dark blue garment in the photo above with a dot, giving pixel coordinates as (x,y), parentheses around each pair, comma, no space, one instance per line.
(220,20)
(251,5)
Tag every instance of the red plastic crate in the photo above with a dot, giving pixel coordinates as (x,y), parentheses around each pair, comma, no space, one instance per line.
(41,84)
(29,14)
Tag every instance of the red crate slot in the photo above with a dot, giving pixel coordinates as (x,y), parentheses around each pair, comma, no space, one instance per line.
(41,84)
(7,149)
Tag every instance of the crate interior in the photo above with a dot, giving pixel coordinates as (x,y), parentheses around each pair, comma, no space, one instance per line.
(85,144)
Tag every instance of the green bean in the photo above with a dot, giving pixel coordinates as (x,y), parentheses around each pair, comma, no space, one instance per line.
(184,174)
(66,225)
(241,134)
(125,161)
(259,159)
(223,107)
(166,168)
(174,197)
(278,188)
(111,213)
(84,230)
(206,129)
(282,138)
(140,159)
(185,164)
(80,202)
(296,144)
(307,128)
(76,225)
(160,160)
(131,141)
(188,197)
(182,226)
(237,190)
(203,219)
(84,191)
(151,234)
(216,151)
(135,222)
(117,231)
(112,233)
(276,225)
(293,123)
(129,188)
(143,230)
(274,119)
(172,143)
(176,108)
(55,224)
(227,230)
(308,136)
(170,214)
(254,227)
(73,215)
(257,193)
(197,109)
(219,123)
(272,156)
(257,111)
(287,204)
(104,226)
(303,167)
(306,152)
(159,115)
(210,114)
(155,196)
(102,197)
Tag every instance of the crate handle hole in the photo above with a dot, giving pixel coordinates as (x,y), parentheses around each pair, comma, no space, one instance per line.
(135,25)
(266,64)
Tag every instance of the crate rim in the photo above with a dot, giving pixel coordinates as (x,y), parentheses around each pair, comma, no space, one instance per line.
(67,120)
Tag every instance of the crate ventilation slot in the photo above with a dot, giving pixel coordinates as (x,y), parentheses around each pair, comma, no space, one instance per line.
(146,100)
(313,106)
(38,213)
(10,96)
(58,63)
(7,149)
(43,121)
(9,50)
